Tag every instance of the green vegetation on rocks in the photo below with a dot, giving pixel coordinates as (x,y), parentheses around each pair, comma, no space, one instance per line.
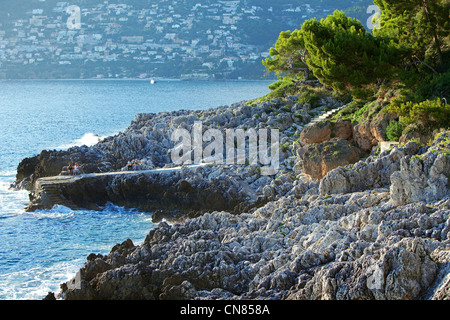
(399,74)
(394,130)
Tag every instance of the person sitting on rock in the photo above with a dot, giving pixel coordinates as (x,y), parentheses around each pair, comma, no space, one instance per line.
(136,165)
(76,169)
(129,166)
(70,169)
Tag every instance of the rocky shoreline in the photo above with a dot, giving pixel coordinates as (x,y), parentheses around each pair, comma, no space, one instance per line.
(148,139)
(353,226)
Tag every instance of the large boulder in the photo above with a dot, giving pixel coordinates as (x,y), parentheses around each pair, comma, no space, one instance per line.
(316,133)
(319,159)
(343,129)
(367,135)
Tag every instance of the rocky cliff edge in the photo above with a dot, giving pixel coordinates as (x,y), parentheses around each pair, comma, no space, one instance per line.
(377,229)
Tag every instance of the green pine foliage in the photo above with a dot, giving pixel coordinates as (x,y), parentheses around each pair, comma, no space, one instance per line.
(343,55)
(339,52)
(419,28)
(288,57)
(437,86)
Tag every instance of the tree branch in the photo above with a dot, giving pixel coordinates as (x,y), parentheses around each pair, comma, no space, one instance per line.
(418,61)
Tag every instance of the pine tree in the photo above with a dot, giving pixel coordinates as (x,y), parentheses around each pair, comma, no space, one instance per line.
(343,55)
(419,27)
(288,57)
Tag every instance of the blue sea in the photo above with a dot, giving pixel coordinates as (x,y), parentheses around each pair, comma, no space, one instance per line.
(41,250)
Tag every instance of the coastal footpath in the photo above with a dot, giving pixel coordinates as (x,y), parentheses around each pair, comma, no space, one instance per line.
(339,220)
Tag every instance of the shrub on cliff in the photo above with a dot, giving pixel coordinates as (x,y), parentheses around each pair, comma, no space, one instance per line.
(394,130)
(430,113)
(306,94)
(282,88)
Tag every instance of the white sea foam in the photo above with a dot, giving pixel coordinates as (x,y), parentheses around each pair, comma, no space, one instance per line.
(4,186)
(7,174)
(35,283)
(55,213)
(88,139)
(11,202)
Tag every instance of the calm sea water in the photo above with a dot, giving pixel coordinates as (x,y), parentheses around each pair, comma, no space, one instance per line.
(41,250)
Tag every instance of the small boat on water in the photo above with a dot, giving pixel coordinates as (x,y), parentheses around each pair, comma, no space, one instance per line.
(152,81)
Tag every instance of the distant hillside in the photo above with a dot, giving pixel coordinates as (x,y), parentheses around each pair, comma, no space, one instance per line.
(187,39)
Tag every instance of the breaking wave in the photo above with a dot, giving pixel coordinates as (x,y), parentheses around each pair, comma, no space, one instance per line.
(88,139)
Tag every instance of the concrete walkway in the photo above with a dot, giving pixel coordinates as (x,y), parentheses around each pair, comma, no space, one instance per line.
(63,179)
